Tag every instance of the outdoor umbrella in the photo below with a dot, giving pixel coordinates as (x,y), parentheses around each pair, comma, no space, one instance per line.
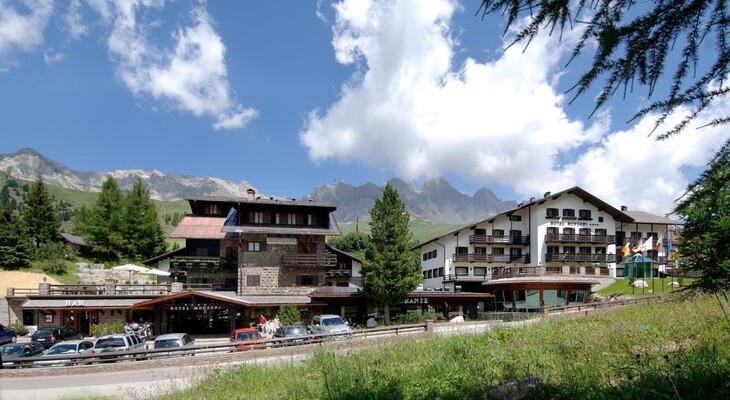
(156,272)
(131,268)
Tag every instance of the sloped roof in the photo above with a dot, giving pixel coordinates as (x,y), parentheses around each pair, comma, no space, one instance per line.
(194,227)
(230,297)
(73,239)
(643,217)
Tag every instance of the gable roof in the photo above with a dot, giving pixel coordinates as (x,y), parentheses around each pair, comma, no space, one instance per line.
(195,227)
(643,217)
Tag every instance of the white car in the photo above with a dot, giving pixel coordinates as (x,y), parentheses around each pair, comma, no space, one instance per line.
(329,324)
(117,343)
(66,348)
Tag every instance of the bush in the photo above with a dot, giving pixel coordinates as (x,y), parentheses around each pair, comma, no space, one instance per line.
(102,329)
(414,318)
(50,251)
(288,314)
(18,327)
(54,267)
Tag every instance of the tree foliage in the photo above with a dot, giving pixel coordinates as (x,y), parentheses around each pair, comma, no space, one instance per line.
(705,245)
(350,242)
(104,229)
(14,243)
(391,270)
(39,216)
(635,41)
(143,236)
(289,314)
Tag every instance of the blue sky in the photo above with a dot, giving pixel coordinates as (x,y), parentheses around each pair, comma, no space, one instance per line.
(289,95)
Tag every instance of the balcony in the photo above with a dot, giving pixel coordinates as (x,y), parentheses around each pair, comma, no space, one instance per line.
(339,273)
(186,262)
(323,259)
(489,258)
(577,257)
(489,239)
(467,277)
(514,272)
(568,238)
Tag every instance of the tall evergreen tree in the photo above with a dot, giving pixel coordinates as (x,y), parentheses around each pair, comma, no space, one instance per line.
(39,216)
(143,236)
(14,243)
(705,245)
(391,270)
(104,229)
(81,221)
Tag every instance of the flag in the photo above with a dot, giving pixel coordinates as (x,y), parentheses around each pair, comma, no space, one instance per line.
(648,244)
(669,247)
(659,241)
(638,247)
(625,250)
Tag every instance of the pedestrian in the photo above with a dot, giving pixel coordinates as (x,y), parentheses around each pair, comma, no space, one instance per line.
(262,322)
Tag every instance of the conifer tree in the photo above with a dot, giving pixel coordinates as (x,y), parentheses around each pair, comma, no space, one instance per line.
(104,229)
(39,216)
(14,243)
(391,270)
(143,236)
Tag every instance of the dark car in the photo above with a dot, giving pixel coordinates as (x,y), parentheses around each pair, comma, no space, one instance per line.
(292,335)
(7,335)
(52,335)
(13,353)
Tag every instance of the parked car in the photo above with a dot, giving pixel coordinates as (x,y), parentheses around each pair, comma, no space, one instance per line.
(329,324)
(174,340)
(290,335)
(51,335)
(247,339)
(14,353)
(67,348)
(117,343)
(7,335)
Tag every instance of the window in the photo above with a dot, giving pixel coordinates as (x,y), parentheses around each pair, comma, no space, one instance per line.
(498,232)
(498,251)
(568,213)
(462,271)
(600,219)
(253,280)
(462,250)
(480,271)
(277,219)
(441,271)
(601,232)
(254,246)
(584,250)
(258,217)
(212,209)
(429,274)
(515,218)
(424,256)
(433,254)
(516,236)
(568,249)
(306,280)
(310,219)
(553,249)
(292,220)
(552,213)
(584,214)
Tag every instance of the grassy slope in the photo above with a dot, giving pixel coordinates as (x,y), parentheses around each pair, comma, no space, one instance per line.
(667,350)
(423,230)
(656,286)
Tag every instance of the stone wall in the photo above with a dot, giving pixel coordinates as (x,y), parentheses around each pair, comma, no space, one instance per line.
(96,274)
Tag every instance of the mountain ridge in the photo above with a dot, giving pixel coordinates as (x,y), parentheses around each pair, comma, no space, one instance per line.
(435,200)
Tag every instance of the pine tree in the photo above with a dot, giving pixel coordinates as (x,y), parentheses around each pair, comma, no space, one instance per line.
(391,270)
(104,229)
(143,235)
(39,216)
(14,243)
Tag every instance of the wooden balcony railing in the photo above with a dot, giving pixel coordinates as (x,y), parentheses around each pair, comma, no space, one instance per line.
(504,239)
(323,259)
(339,273)
(578,257)
(467,277)
(183,262)
(567,238)
(489,258)
(513,272)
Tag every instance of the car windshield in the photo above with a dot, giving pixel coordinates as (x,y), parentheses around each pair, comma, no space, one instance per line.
(12,351)
(247,335)
(333,321)
(44,332)
(109,342)
(163,344)
(294,331)
(62,349)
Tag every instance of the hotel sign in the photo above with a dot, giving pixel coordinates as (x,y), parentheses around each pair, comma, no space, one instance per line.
(195,307)
(281,240)
(417,300)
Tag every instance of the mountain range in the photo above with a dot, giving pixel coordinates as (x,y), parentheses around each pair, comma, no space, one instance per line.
(435,200)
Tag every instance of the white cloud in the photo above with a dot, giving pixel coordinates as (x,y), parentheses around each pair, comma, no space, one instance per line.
(74,20)
(191,77)
(22,30)
(409,109)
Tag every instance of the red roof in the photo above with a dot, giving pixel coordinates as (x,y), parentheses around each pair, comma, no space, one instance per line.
(192,227)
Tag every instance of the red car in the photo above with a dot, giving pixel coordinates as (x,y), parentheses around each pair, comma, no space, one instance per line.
(247,339)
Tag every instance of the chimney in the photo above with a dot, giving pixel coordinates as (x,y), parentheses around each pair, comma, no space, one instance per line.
(546,194)
(624,208)
(532,199)
(251,194)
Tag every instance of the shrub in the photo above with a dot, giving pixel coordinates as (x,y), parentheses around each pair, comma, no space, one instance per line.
(19,328)
(288,314)
(54,267)
(102,329)
(414,318)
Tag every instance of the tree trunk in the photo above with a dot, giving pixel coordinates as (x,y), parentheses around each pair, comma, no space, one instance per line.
(386,311)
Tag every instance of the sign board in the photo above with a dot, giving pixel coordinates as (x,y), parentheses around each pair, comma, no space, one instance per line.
(417,300)
(281,240)
(74,303)
(195,307)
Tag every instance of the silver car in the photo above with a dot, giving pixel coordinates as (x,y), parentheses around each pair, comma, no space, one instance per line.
(66,348)
(329,324)
(174,341)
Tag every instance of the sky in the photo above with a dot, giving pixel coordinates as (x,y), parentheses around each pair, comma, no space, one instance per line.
(290,95)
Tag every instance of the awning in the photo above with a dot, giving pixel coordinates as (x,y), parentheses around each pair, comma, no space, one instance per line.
(44,304)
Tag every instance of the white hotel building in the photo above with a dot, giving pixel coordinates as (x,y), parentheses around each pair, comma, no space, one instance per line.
(548,252)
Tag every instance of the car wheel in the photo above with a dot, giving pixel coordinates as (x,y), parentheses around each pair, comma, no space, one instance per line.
(13,339)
